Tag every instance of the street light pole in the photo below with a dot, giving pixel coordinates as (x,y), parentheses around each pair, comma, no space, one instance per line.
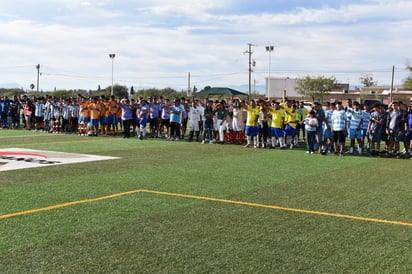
(38,76)
(112,55)
(269,49)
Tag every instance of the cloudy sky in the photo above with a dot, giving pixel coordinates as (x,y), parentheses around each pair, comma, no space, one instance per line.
(158,42)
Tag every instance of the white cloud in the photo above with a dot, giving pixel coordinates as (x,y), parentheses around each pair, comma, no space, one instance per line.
(158,42)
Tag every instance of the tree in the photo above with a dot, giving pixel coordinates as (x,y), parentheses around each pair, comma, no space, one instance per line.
(367,81)
(407,83)
(315,87)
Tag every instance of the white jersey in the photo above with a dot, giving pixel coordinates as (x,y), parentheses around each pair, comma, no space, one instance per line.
(238,121)
(194,114)
(202,110)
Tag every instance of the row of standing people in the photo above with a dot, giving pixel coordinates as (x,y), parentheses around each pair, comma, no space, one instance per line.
(367,128)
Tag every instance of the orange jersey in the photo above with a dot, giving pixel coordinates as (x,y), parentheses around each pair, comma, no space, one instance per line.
(95,110)
(113,107)
(83,109)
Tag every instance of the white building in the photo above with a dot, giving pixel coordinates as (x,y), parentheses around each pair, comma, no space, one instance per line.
(279,87)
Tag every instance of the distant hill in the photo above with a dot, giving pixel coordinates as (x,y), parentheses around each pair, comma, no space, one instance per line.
(10,85)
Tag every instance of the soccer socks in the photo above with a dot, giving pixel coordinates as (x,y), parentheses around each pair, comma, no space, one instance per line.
(281,142)
(273,141)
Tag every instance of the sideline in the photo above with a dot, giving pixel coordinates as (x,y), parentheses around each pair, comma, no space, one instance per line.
(297,210)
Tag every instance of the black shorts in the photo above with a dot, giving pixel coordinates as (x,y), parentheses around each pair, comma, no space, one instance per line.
(154,122)
(395,136)
(339,136)
(165,123)
(39,119)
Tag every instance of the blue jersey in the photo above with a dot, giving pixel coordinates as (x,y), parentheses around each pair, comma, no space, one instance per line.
(176,114)
(155,110)
(356,119)
(366,119)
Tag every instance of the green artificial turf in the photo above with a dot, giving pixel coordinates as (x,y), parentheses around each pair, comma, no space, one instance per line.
(147,232)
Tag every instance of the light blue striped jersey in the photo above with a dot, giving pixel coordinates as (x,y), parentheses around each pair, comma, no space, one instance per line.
(339,119)
(356,117)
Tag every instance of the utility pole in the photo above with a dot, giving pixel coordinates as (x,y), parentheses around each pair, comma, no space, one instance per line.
(249,51)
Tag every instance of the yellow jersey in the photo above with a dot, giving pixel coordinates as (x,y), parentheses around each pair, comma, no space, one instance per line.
(252,116)
(278,117)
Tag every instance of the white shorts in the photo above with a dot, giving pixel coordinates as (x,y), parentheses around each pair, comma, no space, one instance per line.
(238,125)
(194,126)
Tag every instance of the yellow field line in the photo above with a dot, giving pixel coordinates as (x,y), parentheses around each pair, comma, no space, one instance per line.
(337,215)
(281,208)
(30,211)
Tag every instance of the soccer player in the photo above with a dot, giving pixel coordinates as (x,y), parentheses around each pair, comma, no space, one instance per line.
(355,128)
(39,114)
(195,116)
(251,122)
(263,126)
(165,116)
(176,112)
(365,124)
(95,111)
(375,127)
(320,115)
(395,128)
(238,123)
(113,108)
(278,121)
(291,121)
(143,116)
(208,115)
(327,142)
(339,128)
(303,112)
(155,111)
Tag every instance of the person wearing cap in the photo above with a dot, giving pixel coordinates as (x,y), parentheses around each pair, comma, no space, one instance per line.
(176,111)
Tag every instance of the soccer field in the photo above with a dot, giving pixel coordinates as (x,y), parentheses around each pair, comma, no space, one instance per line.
(178,207)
